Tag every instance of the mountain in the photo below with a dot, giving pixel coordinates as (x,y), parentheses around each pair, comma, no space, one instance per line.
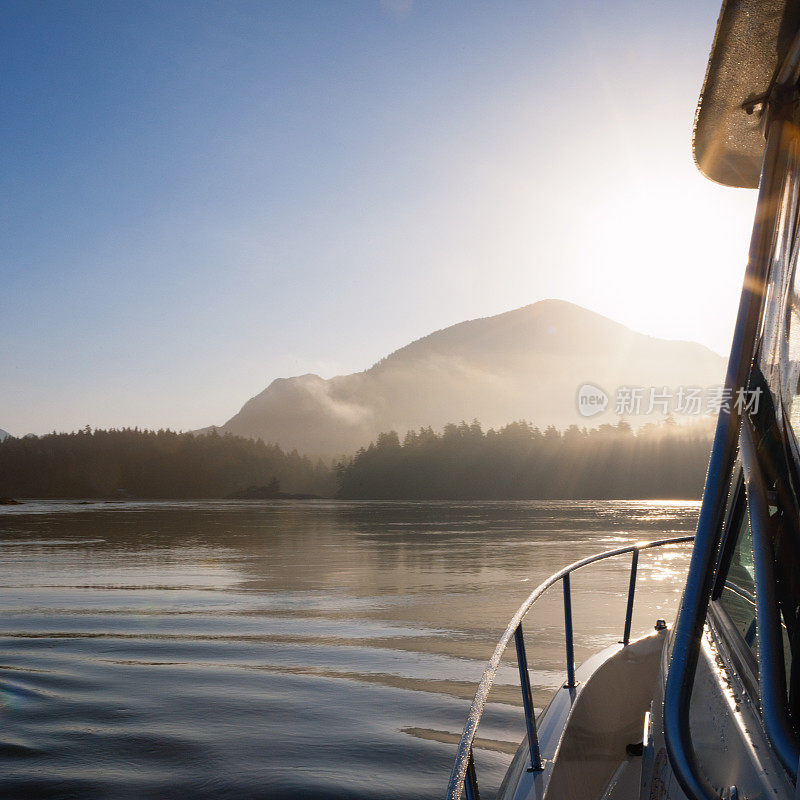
(523,364)
(4,434)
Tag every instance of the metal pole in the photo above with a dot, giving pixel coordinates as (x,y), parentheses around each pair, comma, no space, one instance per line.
(527,700)
(471,784)
(568,633)
(626,636)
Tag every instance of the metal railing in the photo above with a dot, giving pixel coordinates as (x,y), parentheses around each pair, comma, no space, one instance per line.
(463,777)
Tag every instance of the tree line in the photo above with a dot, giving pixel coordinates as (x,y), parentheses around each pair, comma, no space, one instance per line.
(152,464)
(462,462)
(520,461)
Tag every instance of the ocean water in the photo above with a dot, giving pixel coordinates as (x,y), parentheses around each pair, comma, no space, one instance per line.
(293,650)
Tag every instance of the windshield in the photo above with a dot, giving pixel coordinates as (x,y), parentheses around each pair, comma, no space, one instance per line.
(777,421)
(780,343)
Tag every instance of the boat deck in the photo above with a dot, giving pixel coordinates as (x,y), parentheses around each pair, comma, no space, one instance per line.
(585,731)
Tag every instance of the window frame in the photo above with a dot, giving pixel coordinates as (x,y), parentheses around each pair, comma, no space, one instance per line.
(737,654)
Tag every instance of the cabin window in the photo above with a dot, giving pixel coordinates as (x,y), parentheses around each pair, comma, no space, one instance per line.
(780,339)
(776,422)
(790,355)
(737,590)
(785,549)
(792,323)
(735,595)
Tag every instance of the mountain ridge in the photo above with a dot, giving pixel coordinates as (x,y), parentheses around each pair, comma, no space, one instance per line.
(523,363)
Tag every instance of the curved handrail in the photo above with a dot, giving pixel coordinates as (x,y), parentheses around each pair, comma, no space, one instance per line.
(464,755)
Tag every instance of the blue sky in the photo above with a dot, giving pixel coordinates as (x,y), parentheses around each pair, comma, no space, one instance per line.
(197,198)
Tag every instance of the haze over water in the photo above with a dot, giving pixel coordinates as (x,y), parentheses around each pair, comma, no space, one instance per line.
(292,650)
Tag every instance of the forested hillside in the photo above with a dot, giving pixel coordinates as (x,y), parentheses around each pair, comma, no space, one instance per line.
(519,461)
(150,464)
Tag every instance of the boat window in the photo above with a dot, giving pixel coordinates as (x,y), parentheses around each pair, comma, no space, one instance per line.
(735,594)
(790,357)
(776,420)
(780,338)
(792,346)
(737,590)
(785,549)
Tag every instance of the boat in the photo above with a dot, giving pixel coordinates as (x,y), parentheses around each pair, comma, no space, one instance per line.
(707,707)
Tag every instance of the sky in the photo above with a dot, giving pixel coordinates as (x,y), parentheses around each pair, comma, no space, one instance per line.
(197,198)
